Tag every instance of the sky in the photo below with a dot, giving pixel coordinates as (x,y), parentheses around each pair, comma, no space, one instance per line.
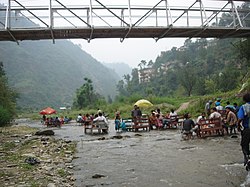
(130,51)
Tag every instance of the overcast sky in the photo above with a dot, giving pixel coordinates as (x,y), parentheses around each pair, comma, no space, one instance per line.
(130,51)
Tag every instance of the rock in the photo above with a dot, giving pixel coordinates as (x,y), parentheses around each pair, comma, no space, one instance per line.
(117,137)
(68,160)
(28,155)
(102,138)
(44,139)
(32,160)
(12,165)
(234,136)
(97,176)
(46,132)
(138,135)
(48,168)
(14,135)
(28,135)
(51,185)
(68,152)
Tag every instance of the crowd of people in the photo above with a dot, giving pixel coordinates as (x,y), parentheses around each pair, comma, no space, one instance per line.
(91,119)
(54,121)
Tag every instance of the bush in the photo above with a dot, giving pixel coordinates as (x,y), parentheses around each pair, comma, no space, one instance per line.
(5,116)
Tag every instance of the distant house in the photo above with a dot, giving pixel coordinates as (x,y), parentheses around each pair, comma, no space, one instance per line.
(146,74)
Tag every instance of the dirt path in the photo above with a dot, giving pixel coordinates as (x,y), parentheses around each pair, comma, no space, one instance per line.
(183,106)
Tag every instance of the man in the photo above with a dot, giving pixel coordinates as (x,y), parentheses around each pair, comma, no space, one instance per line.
(188,126)
(215,114)
(208,107)
(231,119)
(101,118)
(136,115)
(243,127)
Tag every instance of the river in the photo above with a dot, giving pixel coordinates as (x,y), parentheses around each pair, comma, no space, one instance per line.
(154,159)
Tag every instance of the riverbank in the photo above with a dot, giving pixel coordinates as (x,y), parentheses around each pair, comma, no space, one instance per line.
(33,161)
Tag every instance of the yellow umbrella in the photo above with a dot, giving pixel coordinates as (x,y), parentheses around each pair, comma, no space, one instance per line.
(143,103)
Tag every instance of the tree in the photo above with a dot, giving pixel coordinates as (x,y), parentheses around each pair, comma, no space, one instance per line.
(187,78)
(7,99)
(86,96)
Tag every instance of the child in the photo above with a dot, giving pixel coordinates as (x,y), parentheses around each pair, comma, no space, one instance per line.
(117,121)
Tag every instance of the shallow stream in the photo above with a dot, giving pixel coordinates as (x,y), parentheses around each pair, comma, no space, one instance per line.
(155,158)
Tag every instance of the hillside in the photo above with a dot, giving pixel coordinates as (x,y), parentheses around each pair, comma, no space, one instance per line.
(46,74)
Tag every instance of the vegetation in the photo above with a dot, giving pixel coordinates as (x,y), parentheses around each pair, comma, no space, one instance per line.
(7,99)
(47,74)
(86,96)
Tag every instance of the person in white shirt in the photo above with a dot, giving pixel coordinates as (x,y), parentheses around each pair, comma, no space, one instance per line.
(215,114)
(172,114)
(100,117)
(79,118)
(201,117)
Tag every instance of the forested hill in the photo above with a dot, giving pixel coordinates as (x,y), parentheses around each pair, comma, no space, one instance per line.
(46,74)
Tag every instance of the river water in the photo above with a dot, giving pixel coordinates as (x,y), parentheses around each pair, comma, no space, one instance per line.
(155,158)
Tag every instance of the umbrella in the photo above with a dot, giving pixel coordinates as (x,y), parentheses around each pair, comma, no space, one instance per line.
(47,111)
(143,103)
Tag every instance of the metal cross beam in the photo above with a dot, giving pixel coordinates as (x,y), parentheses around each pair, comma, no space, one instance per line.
(61,19)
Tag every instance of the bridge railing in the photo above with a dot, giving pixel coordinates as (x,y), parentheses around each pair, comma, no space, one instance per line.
(102,13)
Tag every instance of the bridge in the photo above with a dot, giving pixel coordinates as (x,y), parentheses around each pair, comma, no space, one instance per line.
(62,19)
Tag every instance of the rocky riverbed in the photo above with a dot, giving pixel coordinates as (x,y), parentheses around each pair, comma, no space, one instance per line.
(28,160)
(155,158)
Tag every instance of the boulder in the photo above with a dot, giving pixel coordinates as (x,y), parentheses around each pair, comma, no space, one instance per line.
(45,133)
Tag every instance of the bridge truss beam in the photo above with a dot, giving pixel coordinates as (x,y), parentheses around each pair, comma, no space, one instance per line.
(55,19)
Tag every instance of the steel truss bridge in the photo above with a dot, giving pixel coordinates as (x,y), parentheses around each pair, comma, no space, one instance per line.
(64,19)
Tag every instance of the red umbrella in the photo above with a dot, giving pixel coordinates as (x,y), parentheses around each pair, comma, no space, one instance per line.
(47,111)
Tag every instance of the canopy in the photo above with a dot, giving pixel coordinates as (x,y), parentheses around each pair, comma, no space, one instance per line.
(143,103)
(47,111)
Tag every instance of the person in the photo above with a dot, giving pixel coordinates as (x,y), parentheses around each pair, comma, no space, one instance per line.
(188,125)
(44,118)
(172,113)
(159,124)
(208,107)
(61,120)
(100,117)
(215,114)
(66,119)
(198,123)
(136,114)
(236,107)
(219,107)
(231,119)
(57,122)
(79,118)
(243,126)
(218,101)
(201,117)
(152,120)
(117,120)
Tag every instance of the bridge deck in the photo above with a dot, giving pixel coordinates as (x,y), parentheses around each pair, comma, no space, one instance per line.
(121,32)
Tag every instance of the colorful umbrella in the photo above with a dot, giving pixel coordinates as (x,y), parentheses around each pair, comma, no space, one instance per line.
(47,111)
(143,103)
